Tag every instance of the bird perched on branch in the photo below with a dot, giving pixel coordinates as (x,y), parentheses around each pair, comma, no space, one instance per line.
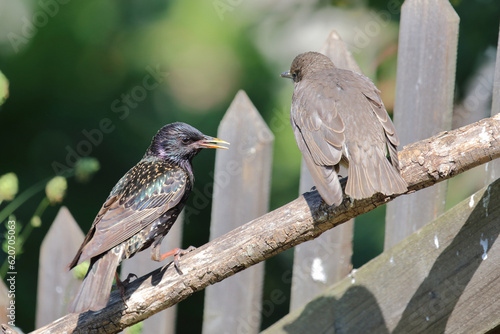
(338,118)
(140,210)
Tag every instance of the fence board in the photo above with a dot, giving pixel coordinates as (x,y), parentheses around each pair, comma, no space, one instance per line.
(141,264)
(442,279)
(493,167)
(325,260)
(424,101)
(241,193)
(56,285)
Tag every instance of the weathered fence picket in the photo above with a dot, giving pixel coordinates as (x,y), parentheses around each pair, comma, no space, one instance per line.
(56,285)
(325,260)
(241,193)
(141,264)
(493,167)
(425,83)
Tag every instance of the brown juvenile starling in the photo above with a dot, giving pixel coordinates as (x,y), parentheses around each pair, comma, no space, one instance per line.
(140,210)
(338,117)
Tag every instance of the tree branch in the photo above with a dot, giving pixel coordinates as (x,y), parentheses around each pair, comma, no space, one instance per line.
(423,164)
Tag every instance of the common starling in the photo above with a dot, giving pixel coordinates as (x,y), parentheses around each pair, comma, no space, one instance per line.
(140,210)
(338,118)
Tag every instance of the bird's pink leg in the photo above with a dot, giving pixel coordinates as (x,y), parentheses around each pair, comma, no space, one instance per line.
(177,253)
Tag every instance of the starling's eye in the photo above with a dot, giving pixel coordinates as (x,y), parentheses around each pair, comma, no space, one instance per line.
(185,140)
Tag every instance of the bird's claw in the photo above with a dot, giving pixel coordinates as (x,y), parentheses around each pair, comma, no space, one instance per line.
(121,284)
(130,276)
(177,256)
(177,253)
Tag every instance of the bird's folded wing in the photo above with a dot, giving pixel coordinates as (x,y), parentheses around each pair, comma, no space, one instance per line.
(125,213)
(320,125)
(372,94)
(319,132)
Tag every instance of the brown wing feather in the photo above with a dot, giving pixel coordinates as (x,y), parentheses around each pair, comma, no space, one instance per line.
(131,207)
(319,132)
(369,139)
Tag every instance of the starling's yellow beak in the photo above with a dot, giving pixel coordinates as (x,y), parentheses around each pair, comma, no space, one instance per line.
(211,142)
(286,74)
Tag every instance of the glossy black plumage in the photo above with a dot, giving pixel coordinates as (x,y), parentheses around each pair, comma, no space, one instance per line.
(140,210)
(338,118)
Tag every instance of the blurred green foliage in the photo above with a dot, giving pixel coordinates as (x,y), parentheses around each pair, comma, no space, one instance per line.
(100,78)
(4,88)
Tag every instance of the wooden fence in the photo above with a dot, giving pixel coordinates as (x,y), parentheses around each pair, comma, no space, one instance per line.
(435,278)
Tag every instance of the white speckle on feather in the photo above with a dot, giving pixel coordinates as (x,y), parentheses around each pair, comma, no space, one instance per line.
(471,201)
(318,271)
(484,243)
(486,200)
(436,241)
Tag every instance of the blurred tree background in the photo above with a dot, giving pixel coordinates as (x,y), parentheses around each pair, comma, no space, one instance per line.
(98,79)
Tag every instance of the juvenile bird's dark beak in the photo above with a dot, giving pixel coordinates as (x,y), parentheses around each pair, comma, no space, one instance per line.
(286,74)
(211,142)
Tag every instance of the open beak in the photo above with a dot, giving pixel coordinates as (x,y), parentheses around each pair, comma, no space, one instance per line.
(211,142)
(286,74)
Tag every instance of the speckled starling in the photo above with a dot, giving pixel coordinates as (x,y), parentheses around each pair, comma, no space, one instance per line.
(338,118)
(140,210)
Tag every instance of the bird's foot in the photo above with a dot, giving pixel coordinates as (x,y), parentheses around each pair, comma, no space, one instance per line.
(177,253)
(129,277)
(121,284)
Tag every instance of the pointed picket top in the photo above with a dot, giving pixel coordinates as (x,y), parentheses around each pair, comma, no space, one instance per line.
(335,49)
(247,164)
(241,193)
(493,167)
(243,118)
(56,285)
(425,84)
(320,263)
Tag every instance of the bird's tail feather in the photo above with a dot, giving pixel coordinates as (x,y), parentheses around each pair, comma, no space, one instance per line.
(96,286)
(372,175)
(327,183)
